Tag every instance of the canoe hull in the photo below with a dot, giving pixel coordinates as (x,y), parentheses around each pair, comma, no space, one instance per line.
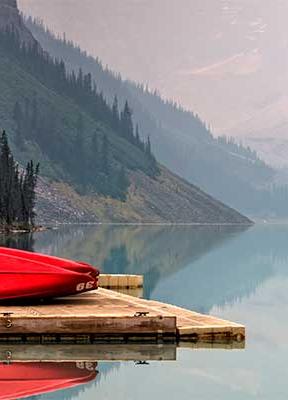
(70,265)
(42,286)
(26,276)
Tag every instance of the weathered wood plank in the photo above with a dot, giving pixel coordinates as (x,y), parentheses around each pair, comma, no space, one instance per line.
(106,314)
(121,281)
(210,345)
(90,325)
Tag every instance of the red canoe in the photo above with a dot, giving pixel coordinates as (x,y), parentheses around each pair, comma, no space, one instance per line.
(26,275)
(51,260)
(20,380)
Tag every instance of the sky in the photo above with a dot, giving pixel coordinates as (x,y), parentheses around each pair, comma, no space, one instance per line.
(224,59)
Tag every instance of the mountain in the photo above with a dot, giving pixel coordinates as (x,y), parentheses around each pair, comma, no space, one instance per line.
(166,199)
(181,141)
(94,164)
(227,59)
(273,149)
(10,16)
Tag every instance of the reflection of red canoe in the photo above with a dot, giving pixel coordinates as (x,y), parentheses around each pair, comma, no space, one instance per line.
(26,275)
(20,380)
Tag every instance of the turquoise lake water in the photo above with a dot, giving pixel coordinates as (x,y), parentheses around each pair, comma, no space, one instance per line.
(235,273)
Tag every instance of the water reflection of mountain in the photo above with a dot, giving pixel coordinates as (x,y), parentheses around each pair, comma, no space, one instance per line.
(155,251)
(214,265)
(230,272)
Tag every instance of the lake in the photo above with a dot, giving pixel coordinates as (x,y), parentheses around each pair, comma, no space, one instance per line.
(232,272)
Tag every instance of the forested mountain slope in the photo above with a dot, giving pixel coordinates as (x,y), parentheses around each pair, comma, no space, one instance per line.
(90,152)
(232,53)
(181,141)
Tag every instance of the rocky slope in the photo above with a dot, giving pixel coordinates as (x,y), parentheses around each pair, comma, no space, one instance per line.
(165,199)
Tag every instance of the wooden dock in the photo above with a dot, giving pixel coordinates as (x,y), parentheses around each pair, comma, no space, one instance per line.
(113,281)
(105,316)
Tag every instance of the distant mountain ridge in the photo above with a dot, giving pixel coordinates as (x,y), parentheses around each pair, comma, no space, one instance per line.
(227,59)
(94,166)
(181,141)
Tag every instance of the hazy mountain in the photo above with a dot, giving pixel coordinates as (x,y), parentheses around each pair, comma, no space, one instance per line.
(9,16)
(99,169)
(226,59)
(180,139)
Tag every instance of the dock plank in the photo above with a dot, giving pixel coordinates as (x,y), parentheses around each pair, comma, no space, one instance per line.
(105,314)
(191,324)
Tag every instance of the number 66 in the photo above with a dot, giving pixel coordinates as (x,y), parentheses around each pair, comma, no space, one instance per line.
(85,286)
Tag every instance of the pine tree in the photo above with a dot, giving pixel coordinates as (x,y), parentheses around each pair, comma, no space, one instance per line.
(16,196)
(127,123)
(19,120)
(80,79)
(79,158)
(139,143)
(87,83)
(115,114)
(17,191)
(7,164)
(105,156)
(95,148)
(148,150)
(137,135)
(28,193)
(94,159)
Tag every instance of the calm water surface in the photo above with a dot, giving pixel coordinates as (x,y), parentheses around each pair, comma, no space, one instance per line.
(234,273)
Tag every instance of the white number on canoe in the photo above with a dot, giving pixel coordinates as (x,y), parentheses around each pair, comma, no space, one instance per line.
(85,286)
(89,366)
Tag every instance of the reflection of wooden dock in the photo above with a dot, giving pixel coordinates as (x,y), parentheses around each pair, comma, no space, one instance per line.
(95,352)
(105,316)
(103,352)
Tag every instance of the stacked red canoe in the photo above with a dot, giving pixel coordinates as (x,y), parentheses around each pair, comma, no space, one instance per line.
(25,275)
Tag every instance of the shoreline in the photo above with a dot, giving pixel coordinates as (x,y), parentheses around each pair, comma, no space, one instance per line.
(43,228)
(14,230)
(154,224)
